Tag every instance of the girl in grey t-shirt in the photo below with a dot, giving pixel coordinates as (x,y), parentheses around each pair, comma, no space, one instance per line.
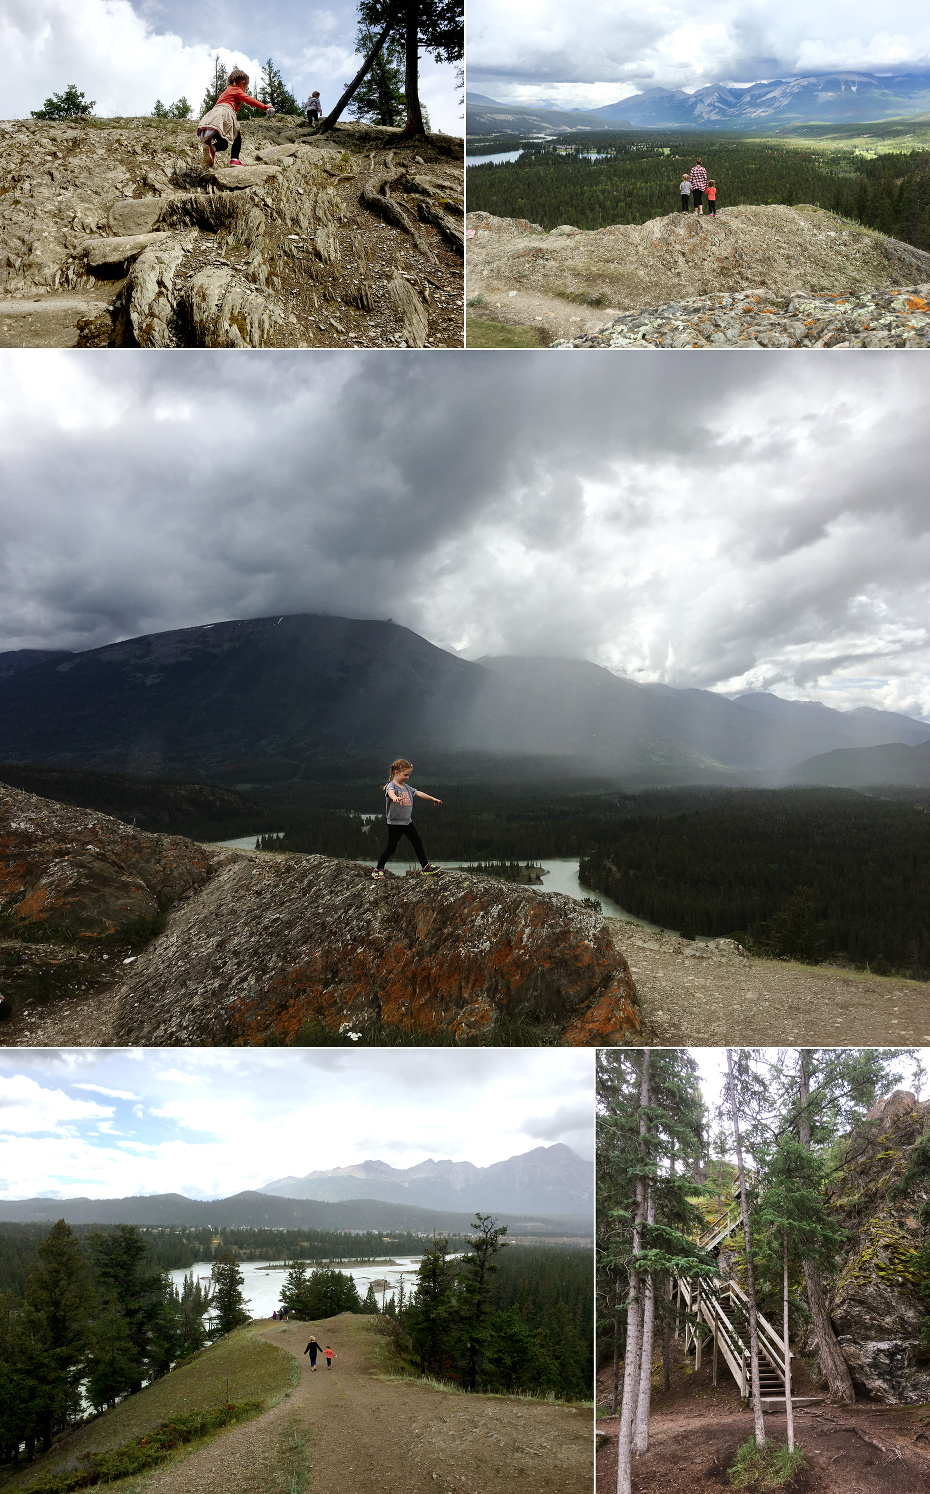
(398,802)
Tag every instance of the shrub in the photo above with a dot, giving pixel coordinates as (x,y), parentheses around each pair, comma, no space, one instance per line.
(764,1468)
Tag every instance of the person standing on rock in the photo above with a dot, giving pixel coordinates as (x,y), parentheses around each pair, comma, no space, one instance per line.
(312,1349)
(685,190)
(219,127)
(698,180)
(712,198)
(313,108)
(398,801)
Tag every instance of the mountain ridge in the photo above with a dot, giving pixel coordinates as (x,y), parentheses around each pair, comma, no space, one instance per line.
(298,694)
(552,1177)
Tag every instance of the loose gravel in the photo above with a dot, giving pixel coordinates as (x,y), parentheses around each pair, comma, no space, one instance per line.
(896,318)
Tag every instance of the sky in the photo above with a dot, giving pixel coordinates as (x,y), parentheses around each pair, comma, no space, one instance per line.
(696,521)
(598,51)
(209,1122)
(125,55)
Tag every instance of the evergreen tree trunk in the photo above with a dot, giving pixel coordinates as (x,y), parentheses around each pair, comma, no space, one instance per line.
(834,1366)
(414,125)
(667,1340)
(789,1409)
(644,1398)
(362,73)
(750,1277)
(615,1386)
(634,1317)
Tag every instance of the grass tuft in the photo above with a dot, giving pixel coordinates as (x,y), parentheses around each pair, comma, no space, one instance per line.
(765,1468)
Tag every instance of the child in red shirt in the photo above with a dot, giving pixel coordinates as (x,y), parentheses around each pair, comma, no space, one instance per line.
(711,195)
(329,1357)
(218,128)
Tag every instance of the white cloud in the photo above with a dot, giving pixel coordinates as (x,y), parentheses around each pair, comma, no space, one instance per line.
(114,1094)
(27,1107)
(273,1114)
(527,49)
(110,52)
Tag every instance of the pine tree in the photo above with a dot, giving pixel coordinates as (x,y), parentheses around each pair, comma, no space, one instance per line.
(68,105)
(475,1276)
(431,1316)
(215,86)
(58,1301)
(125,1281)
(295,1293)
(228,1302)
(380,96)
(274,91)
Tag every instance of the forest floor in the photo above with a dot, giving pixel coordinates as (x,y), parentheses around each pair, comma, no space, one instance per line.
(696,1429)
(695,994)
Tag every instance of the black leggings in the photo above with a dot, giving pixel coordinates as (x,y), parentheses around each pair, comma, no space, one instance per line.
(394,834)
(219,143)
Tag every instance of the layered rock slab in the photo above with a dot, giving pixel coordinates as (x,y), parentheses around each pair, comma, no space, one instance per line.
(273,944)
(61,866)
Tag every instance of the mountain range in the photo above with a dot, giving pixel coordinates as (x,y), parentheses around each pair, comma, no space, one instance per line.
(838,98)
(552,1178)
(255,1210)
(308,695)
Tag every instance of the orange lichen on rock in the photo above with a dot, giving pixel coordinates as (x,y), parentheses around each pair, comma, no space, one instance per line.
(65,866)
(274,944)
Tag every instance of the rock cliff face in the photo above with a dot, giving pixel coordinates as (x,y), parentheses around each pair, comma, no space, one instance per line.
(571,281)
(275,943)
(65,866)
(875,1305)
(113,233)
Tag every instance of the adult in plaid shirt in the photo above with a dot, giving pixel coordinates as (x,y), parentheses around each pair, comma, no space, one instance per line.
(698,185)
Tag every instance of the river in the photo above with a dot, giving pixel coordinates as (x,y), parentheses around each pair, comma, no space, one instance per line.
(264,1279)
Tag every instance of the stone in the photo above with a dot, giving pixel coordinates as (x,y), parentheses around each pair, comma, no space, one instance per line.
(65,866)
(411,308)
(135,214)
(275,153)
(274,943)
(235,178)
(226,312)
(153,299)
(107,254)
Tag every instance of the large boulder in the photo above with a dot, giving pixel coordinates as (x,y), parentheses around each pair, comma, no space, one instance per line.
(65,866)
(274,943)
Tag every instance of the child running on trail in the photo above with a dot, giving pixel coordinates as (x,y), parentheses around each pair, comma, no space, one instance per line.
(398,799)
(219,127)
(685,190)
(698,180)
(712,198)
(329,1357)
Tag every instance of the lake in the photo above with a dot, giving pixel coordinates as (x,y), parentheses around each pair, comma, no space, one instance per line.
(498,160)
(264,1279)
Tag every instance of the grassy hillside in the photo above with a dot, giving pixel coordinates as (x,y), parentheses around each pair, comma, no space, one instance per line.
(240,1368)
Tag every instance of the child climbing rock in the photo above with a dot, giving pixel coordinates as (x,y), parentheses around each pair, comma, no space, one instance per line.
(398,801)
(219,127)
(313,108)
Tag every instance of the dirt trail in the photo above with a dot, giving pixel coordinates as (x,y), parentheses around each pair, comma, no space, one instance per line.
(708,995)
(366,1435)
(863,1449)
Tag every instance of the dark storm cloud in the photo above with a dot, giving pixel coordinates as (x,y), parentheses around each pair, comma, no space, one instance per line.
(705,520)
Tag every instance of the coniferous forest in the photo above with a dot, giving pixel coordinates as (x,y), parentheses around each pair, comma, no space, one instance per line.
(90,1316)
(632,177)
(809,874)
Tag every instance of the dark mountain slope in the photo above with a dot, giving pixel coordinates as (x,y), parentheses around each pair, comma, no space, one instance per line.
(860,767)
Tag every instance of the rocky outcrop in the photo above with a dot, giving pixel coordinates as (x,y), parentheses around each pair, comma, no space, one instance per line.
(300,245)
(273,944)
(552,280)
(897,318)
(875,1304)
(61,866)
